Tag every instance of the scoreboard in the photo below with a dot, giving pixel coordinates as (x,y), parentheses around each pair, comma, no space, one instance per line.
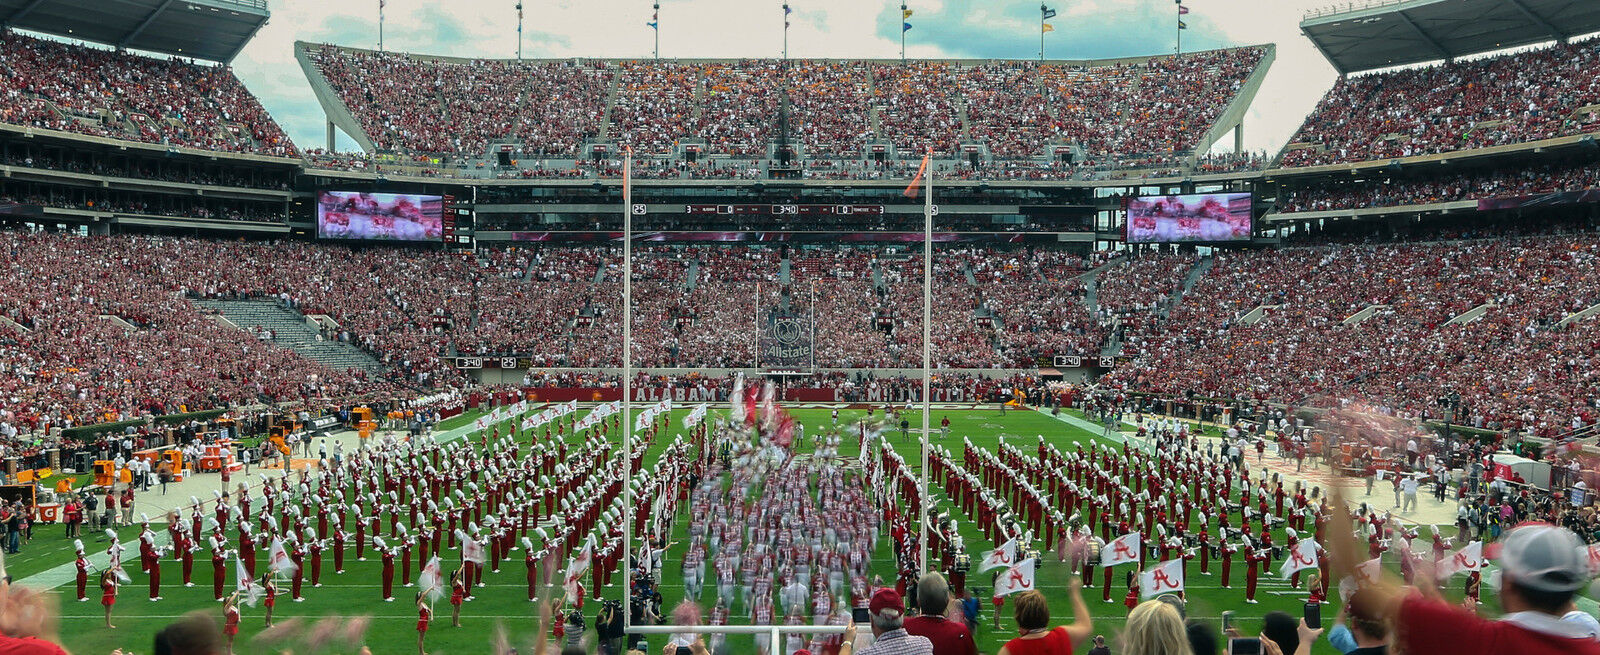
(1081,361)
(785,210)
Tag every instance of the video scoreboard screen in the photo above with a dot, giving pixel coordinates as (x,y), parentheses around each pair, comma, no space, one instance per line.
(785,210)
(380,216)
(1206,217)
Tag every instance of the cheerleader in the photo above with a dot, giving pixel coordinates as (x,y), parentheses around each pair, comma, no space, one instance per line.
(271,596)
(424,616)
(458,593)
(108,595)
(230,619)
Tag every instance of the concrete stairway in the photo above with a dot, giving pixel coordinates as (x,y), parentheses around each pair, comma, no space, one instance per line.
(1195,273)
(293,332)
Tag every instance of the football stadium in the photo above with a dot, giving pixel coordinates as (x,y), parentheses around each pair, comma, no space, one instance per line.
(315,341)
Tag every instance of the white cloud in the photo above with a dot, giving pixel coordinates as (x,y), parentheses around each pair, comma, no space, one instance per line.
(733,28)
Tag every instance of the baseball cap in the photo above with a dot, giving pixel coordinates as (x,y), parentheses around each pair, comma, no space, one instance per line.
(1176,603)
(1544,557)
(886,599)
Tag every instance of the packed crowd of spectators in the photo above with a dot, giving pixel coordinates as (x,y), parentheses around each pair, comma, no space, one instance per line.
(149,170)
(77,88)
(1039,299)
(407,104)
(1508,98)
(833,109)
(71,363)
(1144,284)
(1514,367)
(1493,183)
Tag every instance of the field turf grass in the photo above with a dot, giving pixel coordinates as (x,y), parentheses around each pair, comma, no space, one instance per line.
(504,602)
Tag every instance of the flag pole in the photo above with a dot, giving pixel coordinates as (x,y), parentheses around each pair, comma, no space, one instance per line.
(655,26)
(380,25)
(927,361)
(627,380)
(903,33)
(519,30)
(1179,53)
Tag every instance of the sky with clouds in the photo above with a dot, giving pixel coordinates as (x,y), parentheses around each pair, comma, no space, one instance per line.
(819,28)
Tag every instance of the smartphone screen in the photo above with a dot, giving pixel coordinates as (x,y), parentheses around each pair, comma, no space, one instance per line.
(1314,615)
(1227,619)
(1244,646)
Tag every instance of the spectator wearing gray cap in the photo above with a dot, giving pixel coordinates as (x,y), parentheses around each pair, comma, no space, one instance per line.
(1542,569)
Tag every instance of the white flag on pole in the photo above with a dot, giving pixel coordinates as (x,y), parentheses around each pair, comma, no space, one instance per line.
(695,417)
(1302,556)
(1163,579)
(1469,558)
(431,580)
(1367,572)
(999,558)
(1121,550)
(252,592)
(278,559)
(1015,579)
(472,550)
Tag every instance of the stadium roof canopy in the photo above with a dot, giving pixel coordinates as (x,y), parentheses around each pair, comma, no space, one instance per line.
(214,30)
(1359,36)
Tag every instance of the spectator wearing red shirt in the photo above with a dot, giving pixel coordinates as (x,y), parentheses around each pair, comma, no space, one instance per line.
(1542,569)
(1032,612)
(948,637)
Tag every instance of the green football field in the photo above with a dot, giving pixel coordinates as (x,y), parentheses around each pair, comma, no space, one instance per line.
(504,602)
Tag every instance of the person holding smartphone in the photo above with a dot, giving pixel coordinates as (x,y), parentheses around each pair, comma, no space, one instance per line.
(888,628)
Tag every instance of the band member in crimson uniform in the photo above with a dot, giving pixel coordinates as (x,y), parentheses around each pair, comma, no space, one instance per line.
(531,560)
(1226,551)
(405,561)
(247,552)
(388,573)
(186,547)
(1105,587)
(297,554)
(83,572)
(315,548)
(1255,557)
(338,550)
(219,556)
(150,561)
(361,542)
(194,522)
(1265,544)
(1205,553)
